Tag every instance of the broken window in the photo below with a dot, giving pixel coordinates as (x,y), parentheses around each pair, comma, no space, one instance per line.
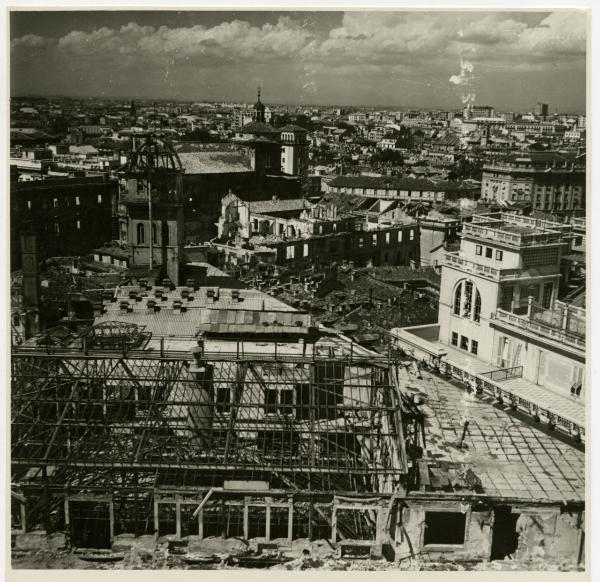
(223,404)
(457,296)
(468,298)
(444,527)
(477,308)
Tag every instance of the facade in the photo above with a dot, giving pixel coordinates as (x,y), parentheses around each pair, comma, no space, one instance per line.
(552,182)
(69,216)
(405,189)
(294,150)
(302,233)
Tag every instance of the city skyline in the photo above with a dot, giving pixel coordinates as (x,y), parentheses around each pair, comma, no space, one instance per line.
(434,59)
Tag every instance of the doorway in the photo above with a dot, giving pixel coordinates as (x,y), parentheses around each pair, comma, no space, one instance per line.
(505,538)
(90,524)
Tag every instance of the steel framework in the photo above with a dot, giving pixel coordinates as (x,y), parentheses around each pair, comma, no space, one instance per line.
(89,420)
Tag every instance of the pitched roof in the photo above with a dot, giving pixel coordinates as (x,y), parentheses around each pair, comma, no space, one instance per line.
(273,206)
(397,183)
(215,162)
(259,127)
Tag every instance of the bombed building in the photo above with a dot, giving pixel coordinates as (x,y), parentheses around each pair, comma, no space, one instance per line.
(189,417)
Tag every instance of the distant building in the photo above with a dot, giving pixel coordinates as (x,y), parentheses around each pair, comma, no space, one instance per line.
(541,110)
(69,216)
(552,182)
(406,189)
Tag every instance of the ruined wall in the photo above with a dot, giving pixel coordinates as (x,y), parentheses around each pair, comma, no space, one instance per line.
(410,534)
(550,536)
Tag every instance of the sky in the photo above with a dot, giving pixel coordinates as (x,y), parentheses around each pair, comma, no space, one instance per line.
(509,60)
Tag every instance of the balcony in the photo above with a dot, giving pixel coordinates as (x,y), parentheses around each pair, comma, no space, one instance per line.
(537,328)
(455,260)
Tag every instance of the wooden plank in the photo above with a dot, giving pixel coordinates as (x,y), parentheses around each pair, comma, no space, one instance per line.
(424,481)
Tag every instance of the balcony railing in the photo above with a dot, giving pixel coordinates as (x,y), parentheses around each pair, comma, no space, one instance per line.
(517,239)
(454,259)
(525,323)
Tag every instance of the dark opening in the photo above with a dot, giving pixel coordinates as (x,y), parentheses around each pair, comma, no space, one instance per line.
(279,522)
(167,524)
(444,527)
(90,524)
(505,538)
(189,523)
(257,522)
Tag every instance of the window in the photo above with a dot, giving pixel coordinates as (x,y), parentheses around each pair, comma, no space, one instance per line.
(467,299)
(547,297)
(305,250)
(286,402)
(55,202)
(99,198)
(454,338)
(290,252)
(444,528)
(56,228)
(270,401)
(154,235)
(464,342)
(361,242)
(478,250)
(387,238)
(399,236)
(77,201)
(141,234)
(457,296)
(78,224)
(374,240)
(223,402)
(29,204)
(488,253)
(477,307)
(412,234)
(499,255)
(474,346)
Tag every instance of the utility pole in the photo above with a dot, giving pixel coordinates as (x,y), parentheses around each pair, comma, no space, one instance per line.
(149,186)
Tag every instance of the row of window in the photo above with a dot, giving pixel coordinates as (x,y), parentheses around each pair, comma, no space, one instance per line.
(489,252)
(141,233)
(57,226)
(464,343)
(290,251)
(56,202)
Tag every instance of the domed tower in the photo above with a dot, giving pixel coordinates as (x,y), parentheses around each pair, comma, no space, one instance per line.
(152,197)
(258,111)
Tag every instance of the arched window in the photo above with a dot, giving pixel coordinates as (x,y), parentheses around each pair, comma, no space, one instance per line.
(457,296)
(141,234)
(467,301)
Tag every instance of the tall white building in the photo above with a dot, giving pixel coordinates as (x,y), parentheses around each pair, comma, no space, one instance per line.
(500,326)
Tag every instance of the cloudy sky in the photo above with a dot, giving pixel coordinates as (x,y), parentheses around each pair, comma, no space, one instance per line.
(358,58)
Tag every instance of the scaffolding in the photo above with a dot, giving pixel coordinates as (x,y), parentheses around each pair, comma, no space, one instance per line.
(143,436)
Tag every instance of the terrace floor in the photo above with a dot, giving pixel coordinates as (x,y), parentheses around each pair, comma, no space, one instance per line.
(513,457)
(570,408)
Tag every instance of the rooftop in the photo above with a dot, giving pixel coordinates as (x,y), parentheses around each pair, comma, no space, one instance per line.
(512,458)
